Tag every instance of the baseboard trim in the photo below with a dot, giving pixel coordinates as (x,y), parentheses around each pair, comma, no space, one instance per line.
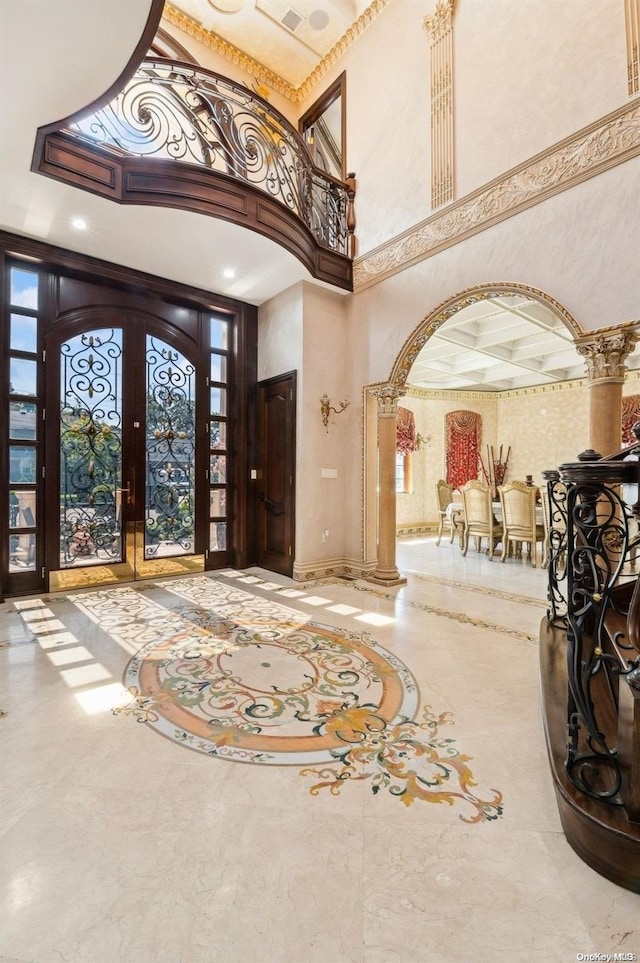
(332,568)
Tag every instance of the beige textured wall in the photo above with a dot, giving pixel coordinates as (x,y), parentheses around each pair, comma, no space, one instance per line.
(280,335)
(544,430)
(322,503)
(304,329)
(528,74)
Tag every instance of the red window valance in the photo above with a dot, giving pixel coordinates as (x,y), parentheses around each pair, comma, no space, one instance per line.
(405,432)
(630,414)
(464,435)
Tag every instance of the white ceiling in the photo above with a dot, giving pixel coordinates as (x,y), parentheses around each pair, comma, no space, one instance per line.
(500,344)
(290,37)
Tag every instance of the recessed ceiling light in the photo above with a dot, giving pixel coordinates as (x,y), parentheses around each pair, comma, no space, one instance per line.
(79,223)
(228,273)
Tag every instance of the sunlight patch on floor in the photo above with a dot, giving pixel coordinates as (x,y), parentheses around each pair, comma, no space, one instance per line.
(103,698)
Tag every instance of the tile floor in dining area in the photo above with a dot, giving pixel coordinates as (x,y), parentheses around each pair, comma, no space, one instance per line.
(385,799)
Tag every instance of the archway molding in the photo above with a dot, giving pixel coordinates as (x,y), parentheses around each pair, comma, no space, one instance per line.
(447,309)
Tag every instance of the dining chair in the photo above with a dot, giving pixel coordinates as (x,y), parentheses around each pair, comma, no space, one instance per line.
(451,520)
(521,527)
(479,519)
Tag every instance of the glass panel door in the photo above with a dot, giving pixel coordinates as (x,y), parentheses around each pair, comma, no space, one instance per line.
(169,452)
(127,483)
(91,525)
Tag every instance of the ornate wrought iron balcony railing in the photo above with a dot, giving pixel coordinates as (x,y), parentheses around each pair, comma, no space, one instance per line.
(183,113)
(595,511)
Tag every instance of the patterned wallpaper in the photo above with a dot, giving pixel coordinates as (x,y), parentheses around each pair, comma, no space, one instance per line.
(543,429)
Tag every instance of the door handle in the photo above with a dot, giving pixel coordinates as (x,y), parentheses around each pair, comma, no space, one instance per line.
(276,508)
(128,500)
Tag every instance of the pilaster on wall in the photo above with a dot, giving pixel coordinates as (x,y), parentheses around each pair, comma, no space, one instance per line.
(632,25)
(605,357)
(440,29)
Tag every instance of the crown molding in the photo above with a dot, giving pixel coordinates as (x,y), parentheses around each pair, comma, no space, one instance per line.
(433,394)
(607,142)
(262,73)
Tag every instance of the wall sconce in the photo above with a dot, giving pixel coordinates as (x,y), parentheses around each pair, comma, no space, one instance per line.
(422,441)
(326,408)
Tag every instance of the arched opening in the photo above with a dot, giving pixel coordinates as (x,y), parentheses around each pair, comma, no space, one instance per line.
(504,351)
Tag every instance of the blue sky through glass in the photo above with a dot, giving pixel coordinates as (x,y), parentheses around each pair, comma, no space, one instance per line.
(24,288)
(24,333)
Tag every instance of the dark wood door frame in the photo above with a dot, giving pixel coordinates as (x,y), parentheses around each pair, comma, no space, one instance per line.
(275,482)
(76,287)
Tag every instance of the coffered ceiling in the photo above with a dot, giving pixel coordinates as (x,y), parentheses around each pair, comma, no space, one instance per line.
(500,344)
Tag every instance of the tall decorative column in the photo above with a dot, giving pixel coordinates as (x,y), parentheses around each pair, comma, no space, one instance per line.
(605,357)
(386,572)
(440,29)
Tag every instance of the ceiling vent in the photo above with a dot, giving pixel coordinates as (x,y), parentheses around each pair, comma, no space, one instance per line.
(291,20)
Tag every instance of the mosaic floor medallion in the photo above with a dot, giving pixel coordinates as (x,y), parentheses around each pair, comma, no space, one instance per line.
(247,679)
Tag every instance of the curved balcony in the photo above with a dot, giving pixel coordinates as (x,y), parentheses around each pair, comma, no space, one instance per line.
(181,136)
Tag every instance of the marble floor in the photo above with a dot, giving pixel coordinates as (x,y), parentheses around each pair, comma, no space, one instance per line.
(434,840)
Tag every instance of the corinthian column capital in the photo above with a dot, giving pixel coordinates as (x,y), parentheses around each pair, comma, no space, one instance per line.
(441,21)
(605,355)
(387,397)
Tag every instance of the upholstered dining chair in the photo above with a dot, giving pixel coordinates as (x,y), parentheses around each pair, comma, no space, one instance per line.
(479,520)
(451,520)
(518,502)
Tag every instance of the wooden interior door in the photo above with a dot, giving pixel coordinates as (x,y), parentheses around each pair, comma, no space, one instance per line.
(275,487)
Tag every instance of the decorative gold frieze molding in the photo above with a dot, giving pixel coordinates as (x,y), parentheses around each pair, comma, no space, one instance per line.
(632,29)
(440,28)
(444,394)
(295,94)
(227,50)
(609,141)
(605,356)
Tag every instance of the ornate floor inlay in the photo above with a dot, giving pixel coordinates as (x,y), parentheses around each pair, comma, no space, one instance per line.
(448,614)
(479,589)
(243,678)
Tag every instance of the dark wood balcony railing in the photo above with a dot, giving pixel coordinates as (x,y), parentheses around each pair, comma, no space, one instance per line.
(590,658)
(181,136)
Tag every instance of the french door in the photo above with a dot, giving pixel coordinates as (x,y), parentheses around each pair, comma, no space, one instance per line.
(127,453)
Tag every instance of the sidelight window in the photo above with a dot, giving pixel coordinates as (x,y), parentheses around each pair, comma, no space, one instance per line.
(24,469)
(218,441)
